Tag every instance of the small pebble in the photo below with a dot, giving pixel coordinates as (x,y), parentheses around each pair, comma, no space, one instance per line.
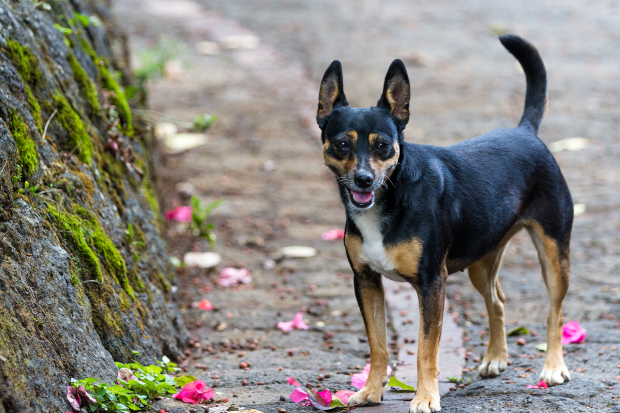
(281,410)
(282,399)
(521,341)
(260,383)
(291,352)
(244,383)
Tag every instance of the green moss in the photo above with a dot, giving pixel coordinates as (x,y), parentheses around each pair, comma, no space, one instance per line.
(87,86)
(88,48)
(71,122)
(165,285)
(149,194)
(84,232)
(27,147)
(35,109)
(71,226)
(120,100)
(25,60)
(113,258)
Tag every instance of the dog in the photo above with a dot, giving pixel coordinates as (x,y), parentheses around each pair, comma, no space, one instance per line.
(417,213)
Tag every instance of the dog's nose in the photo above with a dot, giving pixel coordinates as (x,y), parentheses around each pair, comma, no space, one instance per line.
(363,179)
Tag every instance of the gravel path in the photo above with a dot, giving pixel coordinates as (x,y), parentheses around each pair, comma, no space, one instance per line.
(263,159)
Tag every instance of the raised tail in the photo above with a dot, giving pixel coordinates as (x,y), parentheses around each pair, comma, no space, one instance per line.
(536,76)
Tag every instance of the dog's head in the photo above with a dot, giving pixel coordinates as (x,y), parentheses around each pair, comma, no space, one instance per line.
(362,145)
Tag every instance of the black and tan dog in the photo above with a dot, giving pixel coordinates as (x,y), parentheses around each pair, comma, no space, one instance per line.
(417,213)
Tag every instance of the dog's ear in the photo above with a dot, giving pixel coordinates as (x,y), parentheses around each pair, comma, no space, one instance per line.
(396,93)
(331,95)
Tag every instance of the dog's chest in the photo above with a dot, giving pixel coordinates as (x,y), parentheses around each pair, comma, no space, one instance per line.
(373,252)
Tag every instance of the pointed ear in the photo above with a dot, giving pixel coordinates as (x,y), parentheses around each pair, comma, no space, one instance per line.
(331,94)
(396,93)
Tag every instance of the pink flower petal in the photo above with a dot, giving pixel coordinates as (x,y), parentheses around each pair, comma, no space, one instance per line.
(572,332)
(344,395)
(194,392)
(333,234)
(292,381)
(179,214)
(326,395)
(205,305)
(298,395)
(541,385)
(233,276)
(359,380)
(296,322)
(73,397)
(285,325)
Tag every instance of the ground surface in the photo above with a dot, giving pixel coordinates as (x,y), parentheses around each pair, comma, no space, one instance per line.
(264,160)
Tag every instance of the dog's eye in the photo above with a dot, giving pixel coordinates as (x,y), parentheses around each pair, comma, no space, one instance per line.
(342,145)
(382,146)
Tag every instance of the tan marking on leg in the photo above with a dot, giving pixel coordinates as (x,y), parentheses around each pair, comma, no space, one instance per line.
(406,258)
(353,245)
(556,274)
(431,319)
(483,275)
(371,300)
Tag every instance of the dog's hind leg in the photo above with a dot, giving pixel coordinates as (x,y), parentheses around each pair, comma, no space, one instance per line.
(555,263)
(483,275)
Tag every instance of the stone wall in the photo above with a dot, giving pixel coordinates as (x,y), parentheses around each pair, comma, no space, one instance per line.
(84,275)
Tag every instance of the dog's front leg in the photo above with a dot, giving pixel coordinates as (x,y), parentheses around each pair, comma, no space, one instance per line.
(431,295)
(371,300)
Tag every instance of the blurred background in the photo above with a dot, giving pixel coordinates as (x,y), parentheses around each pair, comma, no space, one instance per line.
(256,67)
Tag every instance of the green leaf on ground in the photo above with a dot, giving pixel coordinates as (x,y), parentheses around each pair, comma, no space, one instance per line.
(336,402)
(183,380)
(518,331)
(541,347)
(394,382)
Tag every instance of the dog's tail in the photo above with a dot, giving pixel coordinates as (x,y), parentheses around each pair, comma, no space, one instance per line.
(536,76)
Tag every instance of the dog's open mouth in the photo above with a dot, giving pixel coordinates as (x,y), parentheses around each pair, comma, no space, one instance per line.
(362,199)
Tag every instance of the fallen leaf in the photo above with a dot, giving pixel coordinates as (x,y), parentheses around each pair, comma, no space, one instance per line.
(517,331)
(541,347)
(579,209)
(572,332)
(181,381)
(202,259)
(394,382)
(182,142)
(298,252)
(569,144)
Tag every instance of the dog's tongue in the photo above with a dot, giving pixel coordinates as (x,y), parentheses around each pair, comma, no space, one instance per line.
(362,197)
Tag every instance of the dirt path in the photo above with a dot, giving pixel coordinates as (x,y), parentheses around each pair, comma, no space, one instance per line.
(263,159)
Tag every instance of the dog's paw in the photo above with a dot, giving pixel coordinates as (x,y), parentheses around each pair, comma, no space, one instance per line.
(425,403)
(554,375)
(492,368)
(367,396)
